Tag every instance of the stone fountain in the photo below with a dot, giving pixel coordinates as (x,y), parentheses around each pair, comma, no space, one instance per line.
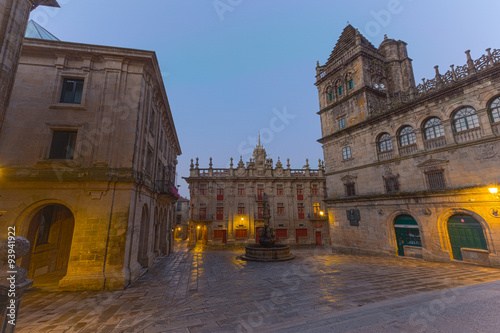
(267,249)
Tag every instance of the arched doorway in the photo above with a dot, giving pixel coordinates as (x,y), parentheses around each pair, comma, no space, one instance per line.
(465,232)
(50,232)
(142,253)
(407,233)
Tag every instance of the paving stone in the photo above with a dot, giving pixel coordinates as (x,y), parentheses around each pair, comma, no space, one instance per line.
(208,289)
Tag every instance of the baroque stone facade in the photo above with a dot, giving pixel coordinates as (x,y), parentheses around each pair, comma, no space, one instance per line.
(409,167)
(227,204)
(88,151)
(182,218)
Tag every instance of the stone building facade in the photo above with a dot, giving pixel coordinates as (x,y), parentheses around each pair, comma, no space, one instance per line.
(409,167)
(13,20)
(182,218)
(227,204)
(88,154)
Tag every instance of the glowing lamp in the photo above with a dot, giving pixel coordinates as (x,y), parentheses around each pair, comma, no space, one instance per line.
(493,190)
(321,213)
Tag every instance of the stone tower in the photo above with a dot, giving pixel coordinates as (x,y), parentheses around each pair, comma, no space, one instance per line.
(357,75)
(13,20)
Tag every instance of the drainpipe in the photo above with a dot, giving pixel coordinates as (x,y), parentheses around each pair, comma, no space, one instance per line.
(109,230)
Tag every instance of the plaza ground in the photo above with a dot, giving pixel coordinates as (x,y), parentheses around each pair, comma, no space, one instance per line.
(209,289)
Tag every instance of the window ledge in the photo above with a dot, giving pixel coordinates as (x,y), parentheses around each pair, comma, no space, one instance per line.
(66,106)
(57,163)
(348,159)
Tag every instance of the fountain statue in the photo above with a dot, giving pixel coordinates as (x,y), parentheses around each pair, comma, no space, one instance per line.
(267,249)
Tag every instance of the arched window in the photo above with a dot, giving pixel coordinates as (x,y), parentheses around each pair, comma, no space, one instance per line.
(433,128)
(406,136)
(384,142)
(495,110)
(465,119)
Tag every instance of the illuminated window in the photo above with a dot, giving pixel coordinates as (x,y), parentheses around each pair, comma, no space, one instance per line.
(316,208)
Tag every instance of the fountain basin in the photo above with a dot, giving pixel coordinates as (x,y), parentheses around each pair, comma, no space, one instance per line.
(279,252)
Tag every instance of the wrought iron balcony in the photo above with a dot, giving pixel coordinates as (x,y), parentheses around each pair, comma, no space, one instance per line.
(166,187)
(202,217)
(317,217)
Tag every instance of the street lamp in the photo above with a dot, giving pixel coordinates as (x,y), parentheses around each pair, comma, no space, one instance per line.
(494,191)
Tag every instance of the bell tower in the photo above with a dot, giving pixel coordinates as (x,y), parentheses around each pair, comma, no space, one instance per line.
(357,76)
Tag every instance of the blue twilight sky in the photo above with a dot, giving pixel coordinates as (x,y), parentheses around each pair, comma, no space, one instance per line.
(233,68)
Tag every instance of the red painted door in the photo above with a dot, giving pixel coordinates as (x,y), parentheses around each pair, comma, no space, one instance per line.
(300,233)
(220,194)
(281,233)
(220,213)
(224,236)
(318,237)
(257,233)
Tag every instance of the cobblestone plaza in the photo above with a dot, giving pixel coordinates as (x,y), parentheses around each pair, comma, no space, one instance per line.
(208,289)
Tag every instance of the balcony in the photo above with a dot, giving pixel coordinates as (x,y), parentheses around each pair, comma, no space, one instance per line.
(435,143)
(468,135)
(385,155)
(258,216)
(202,217)
(408,150)
(317,217)
(166,187)
(496,128)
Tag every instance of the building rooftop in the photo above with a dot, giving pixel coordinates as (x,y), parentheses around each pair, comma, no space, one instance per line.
(35,30)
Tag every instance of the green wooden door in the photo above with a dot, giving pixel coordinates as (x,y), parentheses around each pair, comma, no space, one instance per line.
(465,231)
(407,233)
(400,239)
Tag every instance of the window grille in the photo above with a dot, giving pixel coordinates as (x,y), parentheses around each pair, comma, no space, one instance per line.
(350,189)
(436,180)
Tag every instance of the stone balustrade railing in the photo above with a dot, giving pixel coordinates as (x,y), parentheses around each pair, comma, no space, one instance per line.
(440,81)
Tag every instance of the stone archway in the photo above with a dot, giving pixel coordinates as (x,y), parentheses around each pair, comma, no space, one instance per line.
(464,231)
(49,228)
